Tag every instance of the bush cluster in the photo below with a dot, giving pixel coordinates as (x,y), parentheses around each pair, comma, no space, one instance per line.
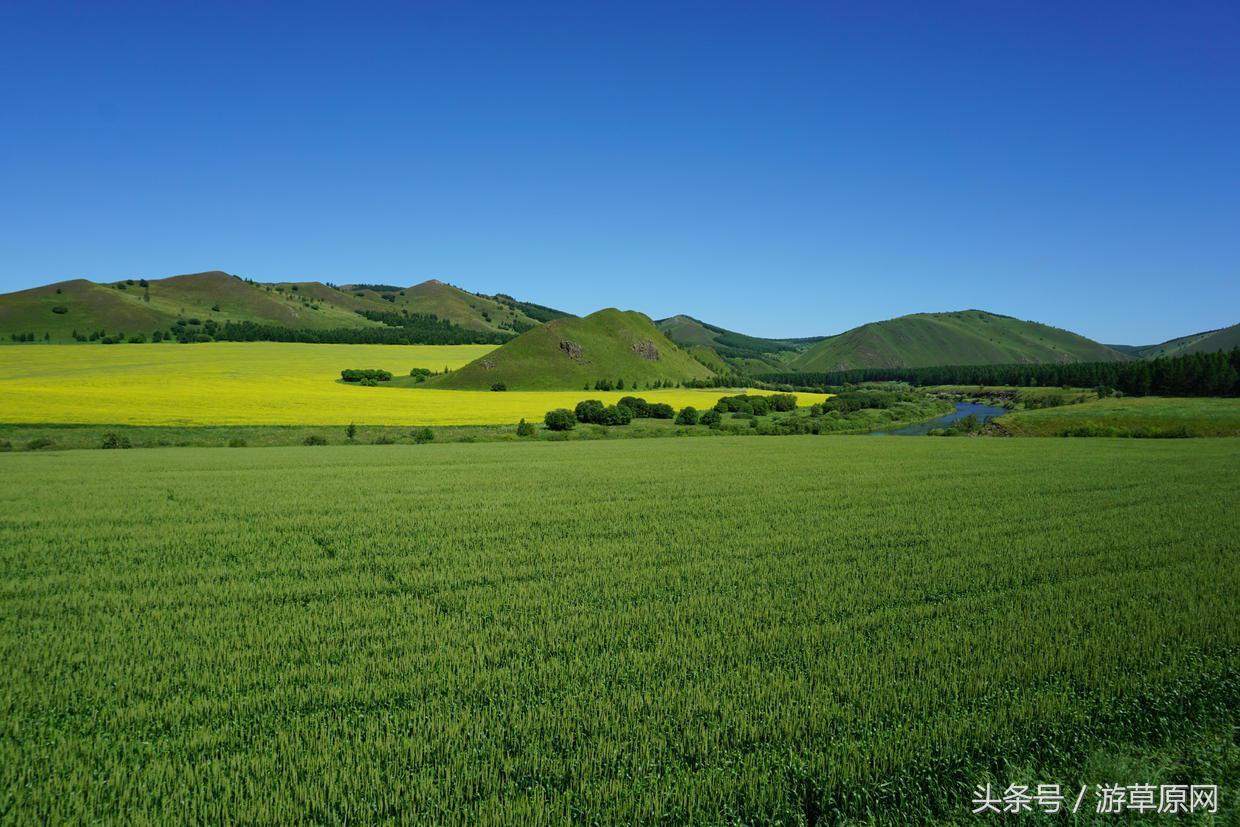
(365,376)
(594,412)
(115,440)
(560,419)
(644,410)
(757,405)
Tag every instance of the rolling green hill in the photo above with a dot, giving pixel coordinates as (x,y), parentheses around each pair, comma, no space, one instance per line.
(135,306)
(738,352)
(570,353)
(1209,341)
(967,337)
(56,310)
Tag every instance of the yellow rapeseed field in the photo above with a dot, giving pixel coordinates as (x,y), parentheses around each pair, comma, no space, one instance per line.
(264,383)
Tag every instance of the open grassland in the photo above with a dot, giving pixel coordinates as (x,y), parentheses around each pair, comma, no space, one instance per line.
(1148,416)
(264,383)
(625,631)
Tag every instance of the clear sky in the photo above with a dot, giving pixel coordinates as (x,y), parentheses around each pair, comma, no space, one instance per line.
(783,169)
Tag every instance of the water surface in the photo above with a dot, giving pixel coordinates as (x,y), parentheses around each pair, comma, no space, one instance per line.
(963,409)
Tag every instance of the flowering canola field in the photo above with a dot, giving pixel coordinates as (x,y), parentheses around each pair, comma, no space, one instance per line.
(265,383)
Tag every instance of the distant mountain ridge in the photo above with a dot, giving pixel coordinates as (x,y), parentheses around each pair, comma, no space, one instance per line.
(215,304)
(141,306)
(966,337)
(1209,341)
(721,348)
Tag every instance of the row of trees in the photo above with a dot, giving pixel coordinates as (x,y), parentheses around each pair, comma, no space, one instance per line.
(439,332)
(594,412)
(1194,374)
(756,405)
(432,330)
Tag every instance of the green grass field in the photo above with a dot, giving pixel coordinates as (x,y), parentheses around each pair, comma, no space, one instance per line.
(1148,416)
(646,631)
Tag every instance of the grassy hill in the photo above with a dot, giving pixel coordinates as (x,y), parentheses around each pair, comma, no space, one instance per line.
(134,306)
(1209,341)
(570,353)
(967,337)
(59,309)
(736,351)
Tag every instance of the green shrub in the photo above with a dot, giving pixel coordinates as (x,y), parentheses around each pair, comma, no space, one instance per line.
(383,439)
(617,415)
(711,418)
(314,439)
(561,419)
(351,431)
(525,428)
(423,436)
(5,446)
(114,440)
(590,411)
(499,386)
(361,375)
(688,416)
(660,410)
(40,444)
(236,442)
(640,407)
(60,309)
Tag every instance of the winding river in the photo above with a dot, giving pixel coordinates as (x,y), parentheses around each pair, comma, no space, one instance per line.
(963,409)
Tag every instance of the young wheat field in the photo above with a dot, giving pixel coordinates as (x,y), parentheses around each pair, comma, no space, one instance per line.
(652,631)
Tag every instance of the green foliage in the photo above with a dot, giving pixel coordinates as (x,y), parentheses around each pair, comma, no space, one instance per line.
(350,432)
(236,442)
(590,411)
(688,416)
(423,436)
(1198,374)
(660,410)
(419,328)
(373,375)
(499,387)
(561,419)
(115,440)
(852,635)
(314,439)
(640,407)
(711,418)
(757,404)
(40,444)
(526,428)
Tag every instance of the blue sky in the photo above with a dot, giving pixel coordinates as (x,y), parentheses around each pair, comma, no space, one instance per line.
(776,168)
